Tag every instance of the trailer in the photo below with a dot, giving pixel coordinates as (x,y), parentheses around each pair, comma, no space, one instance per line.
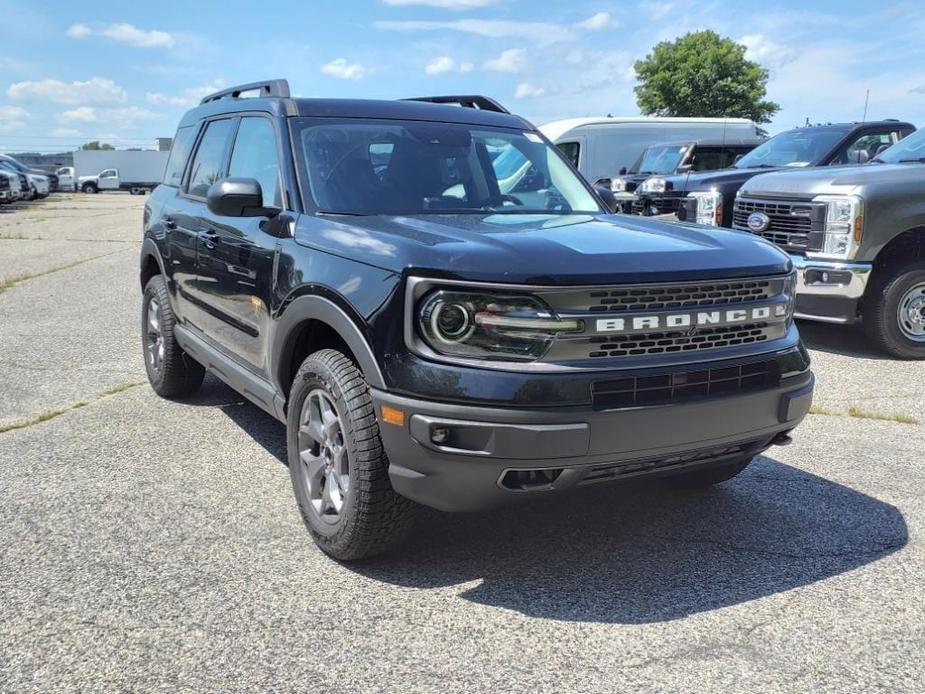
(137,171)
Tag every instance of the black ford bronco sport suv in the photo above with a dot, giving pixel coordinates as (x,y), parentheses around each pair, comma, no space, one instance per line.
(432,333)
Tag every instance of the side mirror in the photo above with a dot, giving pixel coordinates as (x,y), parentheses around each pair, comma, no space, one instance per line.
(684,168)
(606,194)
(622,171)
(237,197)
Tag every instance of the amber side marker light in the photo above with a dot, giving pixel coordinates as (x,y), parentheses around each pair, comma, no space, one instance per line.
(391,415)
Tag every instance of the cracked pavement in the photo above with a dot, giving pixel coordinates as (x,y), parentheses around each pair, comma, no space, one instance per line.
(155,546)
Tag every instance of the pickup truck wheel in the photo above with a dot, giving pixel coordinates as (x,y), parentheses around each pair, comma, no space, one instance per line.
(708,476)
(894,311)
(338,468)
(89,188)
(171,372)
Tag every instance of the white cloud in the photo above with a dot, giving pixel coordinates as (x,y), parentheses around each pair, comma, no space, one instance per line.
(541,32)
(341,69)
(123,117)
(657,10)
(65,132)
(78,31)
(440,65)
(94,90)
(81,114)
(12,118)
(444,4)
(765,51)
(511,60)
(186,98)
(598,22)
(526,90)
(140,38)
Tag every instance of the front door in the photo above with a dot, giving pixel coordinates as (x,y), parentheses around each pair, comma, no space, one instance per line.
(109,179)
(236,254)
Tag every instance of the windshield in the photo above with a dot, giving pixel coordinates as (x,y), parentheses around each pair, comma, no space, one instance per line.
(391,167)
(909,149)
(662,159)
(804,147)
(12,164)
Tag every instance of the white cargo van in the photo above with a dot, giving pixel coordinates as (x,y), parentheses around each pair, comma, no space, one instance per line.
(600,147)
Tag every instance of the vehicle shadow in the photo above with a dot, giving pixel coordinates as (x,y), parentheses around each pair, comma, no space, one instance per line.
(634,553)
(847,340)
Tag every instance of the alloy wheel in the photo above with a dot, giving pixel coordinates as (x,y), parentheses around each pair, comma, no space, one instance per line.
(323,456)
(154,336)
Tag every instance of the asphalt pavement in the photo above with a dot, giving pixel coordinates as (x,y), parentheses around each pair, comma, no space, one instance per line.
(150,545)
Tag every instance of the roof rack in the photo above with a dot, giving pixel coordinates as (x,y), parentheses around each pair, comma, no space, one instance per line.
(482,103)
(278,88)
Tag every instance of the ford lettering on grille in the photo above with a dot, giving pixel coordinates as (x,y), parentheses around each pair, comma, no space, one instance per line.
(686,320)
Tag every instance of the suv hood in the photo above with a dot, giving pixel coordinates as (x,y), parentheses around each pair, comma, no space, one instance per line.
(832,179)
(544,249)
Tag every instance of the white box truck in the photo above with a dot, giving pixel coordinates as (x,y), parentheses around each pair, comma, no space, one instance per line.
(136,171)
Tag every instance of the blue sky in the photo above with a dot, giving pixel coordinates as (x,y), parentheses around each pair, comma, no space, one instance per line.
(125,71)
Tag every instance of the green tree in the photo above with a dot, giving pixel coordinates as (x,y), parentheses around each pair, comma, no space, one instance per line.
(702,74)
(96,145)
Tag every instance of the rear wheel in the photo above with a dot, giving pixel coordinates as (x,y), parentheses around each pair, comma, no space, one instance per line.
(894,311)
(708,476)
(172,373)
(338,468)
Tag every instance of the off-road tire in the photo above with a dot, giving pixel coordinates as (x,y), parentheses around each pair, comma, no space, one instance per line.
(374,519)
(880,307)
(178,374)
(708,476)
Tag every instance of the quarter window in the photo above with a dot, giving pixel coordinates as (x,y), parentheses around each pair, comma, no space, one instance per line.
(210,157)
(255,156)
(179,153)
(572,151)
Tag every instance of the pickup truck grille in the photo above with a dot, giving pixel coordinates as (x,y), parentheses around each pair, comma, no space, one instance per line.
(664,205)
(790,222)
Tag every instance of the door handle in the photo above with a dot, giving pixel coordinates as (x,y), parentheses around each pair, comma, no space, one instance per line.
(209,238)
(170,223)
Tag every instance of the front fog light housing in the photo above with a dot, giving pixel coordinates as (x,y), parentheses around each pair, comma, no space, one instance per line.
(844,226)
(487,326)
(656,184)
(708,206)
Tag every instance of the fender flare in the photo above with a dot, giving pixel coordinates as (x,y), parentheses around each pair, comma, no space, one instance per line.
(314,307)
(148,249)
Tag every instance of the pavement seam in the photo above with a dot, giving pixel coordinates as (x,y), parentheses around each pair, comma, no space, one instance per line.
(11,282)
(48,415)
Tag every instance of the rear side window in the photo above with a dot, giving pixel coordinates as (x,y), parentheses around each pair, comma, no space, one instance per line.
(210,157)
(255,156)
(571,150)
(179,153)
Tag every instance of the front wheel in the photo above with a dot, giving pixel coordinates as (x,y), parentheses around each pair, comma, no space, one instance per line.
(89,188)
(708,476)
(894,311)
(338,468)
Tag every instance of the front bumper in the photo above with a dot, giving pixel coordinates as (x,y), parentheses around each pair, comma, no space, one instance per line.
(488,456)
(829,291)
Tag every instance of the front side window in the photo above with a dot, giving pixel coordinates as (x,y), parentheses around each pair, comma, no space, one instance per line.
(179,153)
(864,148)
(375,167)
(255,156)
(797,148)
(210,157)
(108,173)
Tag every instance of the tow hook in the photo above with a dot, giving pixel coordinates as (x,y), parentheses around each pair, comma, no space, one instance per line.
(782,439)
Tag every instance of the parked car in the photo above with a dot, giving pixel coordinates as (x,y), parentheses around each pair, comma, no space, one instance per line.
(707,198)
(34,185)
(603,148)
(66,179)
(857,238)
(9,187)
(428,335)
(670,158)
(50,178)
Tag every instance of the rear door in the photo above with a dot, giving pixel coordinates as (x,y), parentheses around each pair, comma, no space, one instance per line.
(236,254)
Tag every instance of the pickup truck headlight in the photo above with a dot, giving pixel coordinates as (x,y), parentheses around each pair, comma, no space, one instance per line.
(708,206)
(618,185)
(844,225)
(655,184)
(487,326)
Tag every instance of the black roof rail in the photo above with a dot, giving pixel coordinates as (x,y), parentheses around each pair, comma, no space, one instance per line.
(483,103)
(278,88)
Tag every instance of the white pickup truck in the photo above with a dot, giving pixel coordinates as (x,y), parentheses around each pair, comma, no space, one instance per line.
(133,170)
(109,179)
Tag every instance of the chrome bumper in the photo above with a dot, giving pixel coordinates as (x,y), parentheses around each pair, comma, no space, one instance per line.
(829,279)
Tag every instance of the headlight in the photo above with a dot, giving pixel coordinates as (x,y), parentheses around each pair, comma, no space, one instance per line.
(618,185)
(709,207)
(844,225)
(656,184)
(486,326)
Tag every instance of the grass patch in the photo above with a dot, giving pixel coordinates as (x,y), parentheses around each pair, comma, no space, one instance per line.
(57,412)
(17,279)
(858,413)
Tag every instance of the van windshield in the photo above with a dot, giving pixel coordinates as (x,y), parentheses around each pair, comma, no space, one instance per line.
(804,147)
(662,159)
(373,167)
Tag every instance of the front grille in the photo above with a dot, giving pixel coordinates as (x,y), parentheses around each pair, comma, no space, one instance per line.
(638,391)
(791,222)
(681,296)
(612,471)
(668,205)
(643,344)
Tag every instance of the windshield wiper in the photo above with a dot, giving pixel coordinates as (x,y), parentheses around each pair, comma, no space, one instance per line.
(762,166)
(920,160)
(327,213)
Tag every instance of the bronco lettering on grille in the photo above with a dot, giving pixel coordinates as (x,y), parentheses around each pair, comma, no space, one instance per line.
(691,319)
